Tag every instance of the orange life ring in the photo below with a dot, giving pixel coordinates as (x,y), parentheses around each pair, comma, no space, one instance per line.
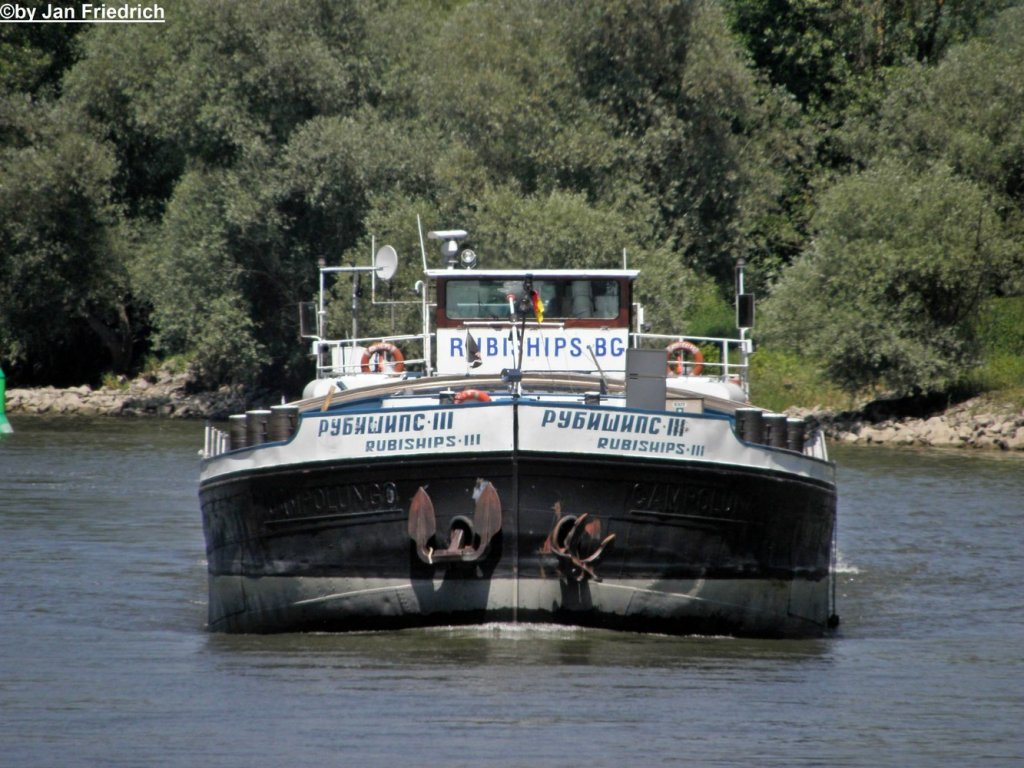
(676,367)
(385,352)
(471,394)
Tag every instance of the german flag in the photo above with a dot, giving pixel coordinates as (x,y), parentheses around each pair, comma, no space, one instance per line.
(538,306)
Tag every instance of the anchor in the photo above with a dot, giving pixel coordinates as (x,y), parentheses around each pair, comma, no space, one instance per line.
(566,543)
(468,540)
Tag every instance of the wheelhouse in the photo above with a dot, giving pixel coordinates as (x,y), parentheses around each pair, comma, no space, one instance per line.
(567,320)
(576,299)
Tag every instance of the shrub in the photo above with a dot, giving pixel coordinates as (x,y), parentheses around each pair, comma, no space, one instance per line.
(888,293)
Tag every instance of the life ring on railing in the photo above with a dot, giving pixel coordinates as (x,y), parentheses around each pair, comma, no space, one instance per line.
(676,365)
(385,352)
(471,394)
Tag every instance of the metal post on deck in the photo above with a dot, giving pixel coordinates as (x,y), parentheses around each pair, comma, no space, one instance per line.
(744,322)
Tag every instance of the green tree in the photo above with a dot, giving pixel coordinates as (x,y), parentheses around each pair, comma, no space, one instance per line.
(819,50)
(65,290)
(499,87)
(695,122)
(34,57)
(977,91)
(223,79)
(332,167)
(214,100)
(195,287)
(149,160)
(840,59)
(888,293)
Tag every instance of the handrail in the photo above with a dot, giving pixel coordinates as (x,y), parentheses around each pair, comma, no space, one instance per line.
(726,367)
(327,368)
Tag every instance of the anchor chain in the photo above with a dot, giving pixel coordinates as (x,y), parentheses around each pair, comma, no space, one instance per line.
(568,547)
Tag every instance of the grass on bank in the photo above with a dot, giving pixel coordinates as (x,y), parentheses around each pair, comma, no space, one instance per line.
(783,379)
(1001,344)
(151,366)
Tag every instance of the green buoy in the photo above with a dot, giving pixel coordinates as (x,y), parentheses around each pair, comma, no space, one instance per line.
(5,425)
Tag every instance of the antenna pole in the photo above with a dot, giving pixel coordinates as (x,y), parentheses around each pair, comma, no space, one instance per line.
(355,306)
(373,275)
(423,247)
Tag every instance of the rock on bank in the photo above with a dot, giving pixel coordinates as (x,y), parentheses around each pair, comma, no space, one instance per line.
(975,423)
(161,394)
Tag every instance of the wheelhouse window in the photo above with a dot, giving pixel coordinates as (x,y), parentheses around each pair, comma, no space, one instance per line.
(487,298)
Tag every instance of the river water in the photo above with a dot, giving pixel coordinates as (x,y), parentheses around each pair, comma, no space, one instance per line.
(104,659)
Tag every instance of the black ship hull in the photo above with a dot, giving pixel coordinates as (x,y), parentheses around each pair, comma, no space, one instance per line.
(632,543)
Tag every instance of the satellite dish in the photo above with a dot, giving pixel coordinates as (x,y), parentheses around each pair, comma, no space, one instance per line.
(386,262)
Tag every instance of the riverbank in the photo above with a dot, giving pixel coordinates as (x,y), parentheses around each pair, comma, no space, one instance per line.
(162,393)
(979,423)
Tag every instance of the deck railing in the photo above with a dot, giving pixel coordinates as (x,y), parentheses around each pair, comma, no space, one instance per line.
(336,357)
(723,357)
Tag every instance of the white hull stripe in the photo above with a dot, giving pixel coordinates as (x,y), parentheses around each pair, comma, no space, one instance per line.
(481,429)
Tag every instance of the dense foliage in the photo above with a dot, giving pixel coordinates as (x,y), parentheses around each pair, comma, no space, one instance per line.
(167,189)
